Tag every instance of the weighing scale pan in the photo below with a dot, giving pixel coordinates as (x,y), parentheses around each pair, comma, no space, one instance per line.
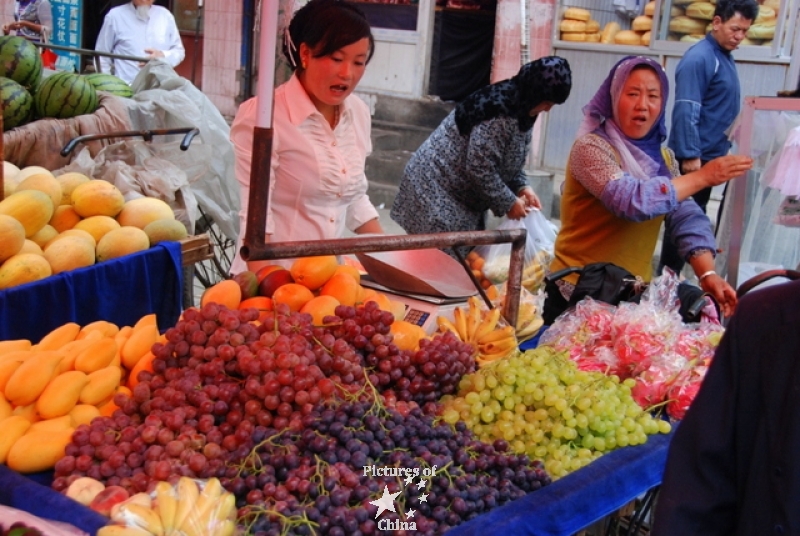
(429,272)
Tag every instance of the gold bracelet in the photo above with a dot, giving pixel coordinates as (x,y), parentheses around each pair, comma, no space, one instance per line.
(706,274)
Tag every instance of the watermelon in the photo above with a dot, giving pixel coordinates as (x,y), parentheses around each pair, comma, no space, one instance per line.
(16,102)
(110,83)
(63,95)
(20,61)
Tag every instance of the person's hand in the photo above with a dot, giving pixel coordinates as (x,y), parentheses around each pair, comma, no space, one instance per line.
(722,292)
(725,168)
(518,210)
(691,164)
(153,53)
(7,28)
(530,198)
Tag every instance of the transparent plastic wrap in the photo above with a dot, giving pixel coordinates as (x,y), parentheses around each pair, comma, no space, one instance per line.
(529,317)
(188,508)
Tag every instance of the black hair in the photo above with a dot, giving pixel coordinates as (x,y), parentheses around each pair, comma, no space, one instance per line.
(726,9)
(326,26)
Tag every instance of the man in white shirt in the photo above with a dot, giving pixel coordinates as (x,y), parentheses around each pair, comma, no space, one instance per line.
(140,29)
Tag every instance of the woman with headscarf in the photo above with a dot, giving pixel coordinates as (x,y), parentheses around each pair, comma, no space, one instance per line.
(473,161)
(621,184)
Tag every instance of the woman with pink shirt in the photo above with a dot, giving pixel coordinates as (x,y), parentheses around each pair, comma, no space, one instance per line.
(321,132)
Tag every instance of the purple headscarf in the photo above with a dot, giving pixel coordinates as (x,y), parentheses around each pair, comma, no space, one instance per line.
(641,158)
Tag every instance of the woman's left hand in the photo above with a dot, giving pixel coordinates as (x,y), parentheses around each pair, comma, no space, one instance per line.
(722,292)
(530,198)
(518,210)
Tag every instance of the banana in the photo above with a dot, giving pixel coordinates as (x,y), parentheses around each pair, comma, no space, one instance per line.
(460,321)
(138,516)
(166,505)
(445,324)
(226,528)
(199,521)
(187,492)
(531,328)
(502,346)
(488,324)
(496,335)
(473,317)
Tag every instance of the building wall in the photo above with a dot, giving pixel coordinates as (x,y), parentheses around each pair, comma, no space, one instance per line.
(222,41)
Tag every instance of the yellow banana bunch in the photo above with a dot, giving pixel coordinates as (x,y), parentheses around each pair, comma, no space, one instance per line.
(481,329)
(186,510)
(529,321)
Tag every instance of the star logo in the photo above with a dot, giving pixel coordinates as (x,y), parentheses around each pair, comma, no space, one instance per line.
(386,502)
(410,513)
(409,480)
(423,497)
(422,483)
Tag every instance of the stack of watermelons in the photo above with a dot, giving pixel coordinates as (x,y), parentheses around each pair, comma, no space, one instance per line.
(25,95)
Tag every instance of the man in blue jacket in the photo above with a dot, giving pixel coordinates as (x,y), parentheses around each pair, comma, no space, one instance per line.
(707,100)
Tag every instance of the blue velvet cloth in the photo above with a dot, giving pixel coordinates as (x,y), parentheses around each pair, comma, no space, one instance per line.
(120,291)
(23,493)
(580,498)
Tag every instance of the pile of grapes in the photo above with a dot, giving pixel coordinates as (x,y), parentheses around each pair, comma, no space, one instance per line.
(288,414)
(543,406)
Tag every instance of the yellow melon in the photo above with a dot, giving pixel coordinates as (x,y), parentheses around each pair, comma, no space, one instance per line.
(44,182)
(64,217)
(97,198)
(69,252)
(12,237)
(31,247)
(27,171)
(69,181)
(122,241)
(10,170)
(32,208)
(9,185)
(165,230)
(97,226)
(79,233)
(44,235)
(23,268)
(143,210)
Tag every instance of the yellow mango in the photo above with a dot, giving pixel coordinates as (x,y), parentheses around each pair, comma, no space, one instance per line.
(16,355)
(139,343)
(7,368)
(83,414)
(106,329)
(146,320)
(70,353)
(61,394)
(102,384)
(97,355)
(6,409)
(14,346)
(31,377)
(28,412)
(38,451)
(59,336)
(13,428)
(51,425)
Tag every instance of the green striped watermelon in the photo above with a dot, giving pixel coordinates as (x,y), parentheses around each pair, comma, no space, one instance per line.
(110,83)
(16,102)
(20,61)
(63,95)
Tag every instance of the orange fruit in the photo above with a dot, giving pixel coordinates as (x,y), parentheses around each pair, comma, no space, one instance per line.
(320,307)
(292,294)
(313,272)
(405,335)
(343,287)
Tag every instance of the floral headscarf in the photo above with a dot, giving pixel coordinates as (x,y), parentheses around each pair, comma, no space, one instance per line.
(547,79)
(641,158)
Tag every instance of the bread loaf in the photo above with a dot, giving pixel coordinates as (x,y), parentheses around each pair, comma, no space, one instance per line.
(682,2)
(687,25)
(609,32)
(748,42)
(642,23)
(692,38)
(646,39)
(700,10)
(774,4)
(592,26)
(676,11)
(650,8)
(576,13)
(765,14)
(572,26)
(593,37)
(573,36)
(627,37)
(764,30)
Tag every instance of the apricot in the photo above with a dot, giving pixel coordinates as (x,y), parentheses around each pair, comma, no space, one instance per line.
(320,307)
(294,295)
(313,272)
(343,287)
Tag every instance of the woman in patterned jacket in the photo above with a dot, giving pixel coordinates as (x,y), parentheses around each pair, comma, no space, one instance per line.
(473,161)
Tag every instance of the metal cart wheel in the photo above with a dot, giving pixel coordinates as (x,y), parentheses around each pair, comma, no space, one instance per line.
(208,273)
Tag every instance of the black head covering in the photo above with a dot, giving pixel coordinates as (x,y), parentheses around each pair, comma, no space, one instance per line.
(547,79)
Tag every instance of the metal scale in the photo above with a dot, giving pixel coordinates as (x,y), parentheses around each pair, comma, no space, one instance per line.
(428,282)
